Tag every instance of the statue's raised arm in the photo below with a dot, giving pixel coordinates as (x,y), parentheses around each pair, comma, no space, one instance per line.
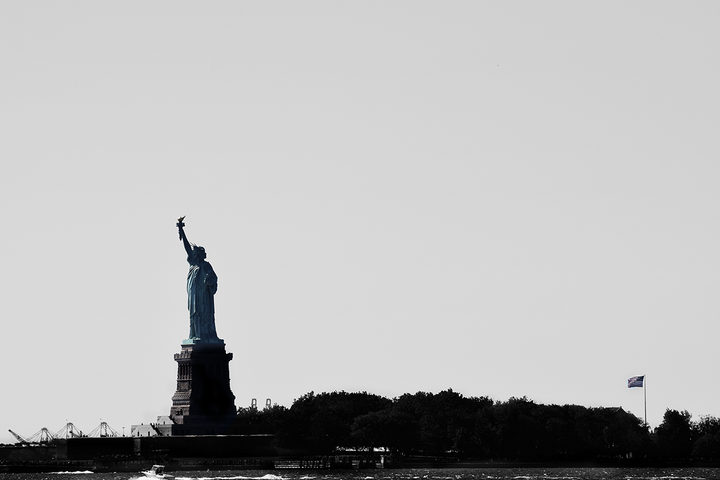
(184,239)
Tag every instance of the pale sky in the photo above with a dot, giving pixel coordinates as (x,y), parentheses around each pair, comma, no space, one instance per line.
(502,198)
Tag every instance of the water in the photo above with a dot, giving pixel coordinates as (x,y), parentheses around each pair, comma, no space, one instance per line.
(406,474)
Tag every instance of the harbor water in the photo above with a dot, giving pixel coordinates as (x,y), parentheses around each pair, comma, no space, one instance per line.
(406,474)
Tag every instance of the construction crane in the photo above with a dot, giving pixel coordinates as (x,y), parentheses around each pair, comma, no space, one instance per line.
(42,436)
(20,439)
(103,430)
(69,431)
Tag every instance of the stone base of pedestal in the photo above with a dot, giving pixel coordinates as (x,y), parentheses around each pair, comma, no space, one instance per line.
(203,403)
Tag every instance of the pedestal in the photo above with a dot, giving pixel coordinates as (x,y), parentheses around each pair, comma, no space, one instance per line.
(203,403)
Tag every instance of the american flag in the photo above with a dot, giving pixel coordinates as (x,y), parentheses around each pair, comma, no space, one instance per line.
(636,381)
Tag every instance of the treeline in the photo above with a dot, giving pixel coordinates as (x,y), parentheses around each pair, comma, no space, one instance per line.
(447,424)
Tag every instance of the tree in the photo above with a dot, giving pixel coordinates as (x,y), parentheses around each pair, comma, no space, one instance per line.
(518,429)
(707,445)
(324,421)
(387,428)
(675,435)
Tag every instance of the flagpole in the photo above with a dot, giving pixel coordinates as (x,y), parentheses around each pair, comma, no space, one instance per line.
(645,396)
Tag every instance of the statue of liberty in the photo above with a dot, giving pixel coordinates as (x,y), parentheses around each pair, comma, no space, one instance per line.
(201,288)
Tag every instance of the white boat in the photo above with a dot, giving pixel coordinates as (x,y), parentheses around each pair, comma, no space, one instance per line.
(157,471)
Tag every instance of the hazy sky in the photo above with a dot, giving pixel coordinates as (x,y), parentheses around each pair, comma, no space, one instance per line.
(503,198)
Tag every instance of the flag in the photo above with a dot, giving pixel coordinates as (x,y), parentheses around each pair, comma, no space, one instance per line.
(636,381)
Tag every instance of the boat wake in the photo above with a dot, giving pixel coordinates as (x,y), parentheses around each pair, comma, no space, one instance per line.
(80,472)
(268,476)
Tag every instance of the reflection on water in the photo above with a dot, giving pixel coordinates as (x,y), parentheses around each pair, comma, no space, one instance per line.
(407,474)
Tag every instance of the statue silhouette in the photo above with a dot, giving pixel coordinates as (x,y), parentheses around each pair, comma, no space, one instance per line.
(201,288)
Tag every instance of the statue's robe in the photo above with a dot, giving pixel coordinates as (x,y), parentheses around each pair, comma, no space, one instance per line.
(201,288)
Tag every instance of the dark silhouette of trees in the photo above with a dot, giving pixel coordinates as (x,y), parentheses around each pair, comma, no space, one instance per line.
(449,425)
(389,428)
(324,421)
(675,435)
(251,421)
(443,422)
(707,443)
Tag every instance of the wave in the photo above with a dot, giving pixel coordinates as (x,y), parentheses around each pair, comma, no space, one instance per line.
(268,476)
(79,472)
